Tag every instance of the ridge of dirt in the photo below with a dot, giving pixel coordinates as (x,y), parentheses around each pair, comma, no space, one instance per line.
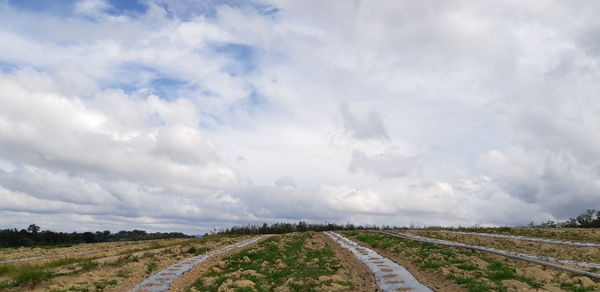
(475,270)
(559,251)
(182,283)
(434,280)
(121,272)
(305,261)
(359,272)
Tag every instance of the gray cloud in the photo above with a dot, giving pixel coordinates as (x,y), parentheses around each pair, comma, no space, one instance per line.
(367,127)
(472,112)
(386,165)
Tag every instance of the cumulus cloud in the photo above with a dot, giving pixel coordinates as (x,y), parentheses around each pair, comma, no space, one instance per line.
(388,113)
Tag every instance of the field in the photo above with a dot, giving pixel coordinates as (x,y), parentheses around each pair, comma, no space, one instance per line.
(116,266)
(306,261)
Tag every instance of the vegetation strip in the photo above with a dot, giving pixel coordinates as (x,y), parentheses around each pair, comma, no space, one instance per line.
(530,256)
(519,237)
(49,257)
(523,257)
(390,276)
(161,281)
(302,261)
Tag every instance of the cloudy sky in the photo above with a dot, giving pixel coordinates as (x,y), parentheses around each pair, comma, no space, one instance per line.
(191,115)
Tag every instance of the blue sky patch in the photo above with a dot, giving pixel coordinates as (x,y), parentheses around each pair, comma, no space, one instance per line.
(127,7)
(8,67)
(210,8)
(244,56)
(57,7)
(168,88)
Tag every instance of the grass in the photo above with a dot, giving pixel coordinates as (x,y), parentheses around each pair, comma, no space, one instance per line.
(23,275)
(122,260)
(151,266)
(100,285)
(279,261)
(123,273)
(198,251)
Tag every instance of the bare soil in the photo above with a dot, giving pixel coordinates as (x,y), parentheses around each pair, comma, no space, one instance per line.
(123,267)
(310,261)
(559,251)
(184,282)
(434,280)
(455,269)
(360,275)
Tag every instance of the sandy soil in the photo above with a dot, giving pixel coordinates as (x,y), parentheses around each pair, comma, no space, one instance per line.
(560,251)
(360,275)
(94,249)
(351,270)
(185,281)
(121,270)
(573,234)
(435,280)
(439,279)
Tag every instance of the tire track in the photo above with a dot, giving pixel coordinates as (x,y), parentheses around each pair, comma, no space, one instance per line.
(161,281)
(537,259)
(389,275)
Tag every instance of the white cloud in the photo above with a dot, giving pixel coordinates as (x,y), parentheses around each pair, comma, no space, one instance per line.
(92,8)
(388,112)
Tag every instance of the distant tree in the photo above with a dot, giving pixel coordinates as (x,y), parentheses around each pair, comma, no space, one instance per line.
(33,229)
(587,217)
(88,237)
(302,226)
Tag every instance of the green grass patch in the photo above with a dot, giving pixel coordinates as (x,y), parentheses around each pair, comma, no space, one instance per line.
(151,266)
(100,285)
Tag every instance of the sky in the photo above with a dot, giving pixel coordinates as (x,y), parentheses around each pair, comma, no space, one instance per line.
(194,115)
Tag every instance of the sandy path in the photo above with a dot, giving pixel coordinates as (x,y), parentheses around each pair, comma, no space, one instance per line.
(389,275)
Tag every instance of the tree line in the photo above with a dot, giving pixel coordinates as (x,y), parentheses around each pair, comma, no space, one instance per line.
(280,228)
(588,219)
(33,236)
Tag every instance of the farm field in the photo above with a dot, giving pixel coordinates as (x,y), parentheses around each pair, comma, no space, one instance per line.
(116,266)
(577,234)
(467,270)
(299,261)
(560,251)
(292,262)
